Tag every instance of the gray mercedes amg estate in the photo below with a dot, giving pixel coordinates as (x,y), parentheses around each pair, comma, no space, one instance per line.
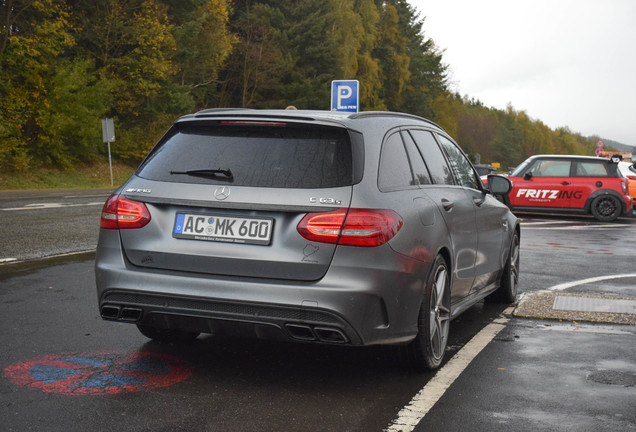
(314,226)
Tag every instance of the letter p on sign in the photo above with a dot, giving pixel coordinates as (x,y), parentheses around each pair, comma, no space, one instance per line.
(344,95)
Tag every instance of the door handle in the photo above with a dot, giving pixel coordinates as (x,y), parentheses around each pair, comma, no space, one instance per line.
(566,183)
(479,201)
(448,205)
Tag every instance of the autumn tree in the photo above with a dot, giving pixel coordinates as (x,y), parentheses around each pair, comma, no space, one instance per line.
(34,35)
(203,43)
(391,52)
(252,72)
(427,77)
(368,72)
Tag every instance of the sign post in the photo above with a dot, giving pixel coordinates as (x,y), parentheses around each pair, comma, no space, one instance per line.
(108,136)
(345,95)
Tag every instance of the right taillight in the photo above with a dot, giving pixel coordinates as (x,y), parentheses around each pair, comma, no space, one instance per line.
(120,212)
(352,227)
(624,185)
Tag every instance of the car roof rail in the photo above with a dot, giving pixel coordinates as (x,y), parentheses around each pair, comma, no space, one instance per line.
(365,114)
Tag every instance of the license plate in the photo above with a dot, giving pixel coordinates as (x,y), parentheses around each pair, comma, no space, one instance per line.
(227,229)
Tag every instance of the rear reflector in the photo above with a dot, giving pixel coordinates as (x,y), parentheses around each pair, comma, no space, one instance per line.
(353,227)
(120,212)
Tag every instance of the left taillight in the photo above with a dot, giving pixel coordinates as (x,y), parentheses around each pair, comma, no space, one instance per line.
(120,212)
(352,227)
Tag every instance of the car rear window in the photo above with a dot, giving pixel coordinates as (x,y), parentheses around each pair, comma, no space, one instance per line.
(277,156)
(590,169)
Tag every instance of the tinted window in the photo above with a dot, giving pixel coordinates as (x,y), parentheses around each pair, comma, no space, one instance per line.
(437,166)
(395,170)
(417,163)
(550,168)
(590,169)
(461,166)
(278,157)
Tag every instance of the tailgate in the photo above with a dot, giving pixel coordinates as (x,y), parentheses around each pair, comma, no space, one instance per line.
(249,234)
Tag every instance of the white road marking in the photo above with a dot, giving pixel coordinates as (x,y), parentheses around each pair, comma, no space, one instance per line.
(87,196)
(13,260)
(575,228)
(566,285)
(414,412)
(6,260)
(45,206)
(582,328)
(551,222)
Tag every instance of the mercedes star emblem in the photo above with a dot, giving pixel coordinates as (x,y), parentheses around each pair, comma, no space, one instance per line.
(222,193)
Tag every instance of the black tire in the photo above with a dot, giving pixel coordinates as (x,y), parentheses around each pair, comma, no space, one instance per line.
(167,335)
(606,208)
(426,351)
(507,291)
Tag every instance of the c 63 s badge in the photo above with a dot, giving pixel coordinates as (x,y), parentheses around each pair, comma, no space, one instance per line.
(136,190)
(321,200)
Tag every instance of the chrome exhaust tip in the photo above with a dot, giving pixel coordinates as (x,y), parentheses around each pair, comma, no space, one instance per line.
(110,312)
(131,314)
(330,335)
(300,331)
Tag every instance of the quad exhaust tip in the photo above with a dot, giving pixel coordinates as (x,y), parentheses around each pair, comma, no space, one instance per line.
(110,312)
(322,334)
(121,313)
(329,334)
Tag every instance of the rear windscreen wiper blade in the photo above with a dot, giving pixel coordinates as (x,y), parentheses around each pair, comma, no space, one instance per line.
(212,173)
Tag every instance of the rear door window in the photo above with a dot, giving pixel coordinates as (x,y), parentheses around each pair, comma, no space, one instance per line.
(417,163)
(438,168)
(395,172)
(272,156)
(460,164)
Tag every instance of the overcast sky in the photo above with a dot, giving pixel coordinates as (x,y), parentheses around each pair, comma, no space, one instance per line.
(564,62)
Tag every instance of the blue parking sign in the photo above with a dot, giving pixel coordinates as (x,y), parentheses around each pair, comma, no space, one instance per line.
(345,95)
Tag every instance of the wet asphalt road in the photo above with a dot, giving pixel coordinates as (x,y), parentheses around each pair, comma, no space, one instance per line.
(35,224)
(534,375)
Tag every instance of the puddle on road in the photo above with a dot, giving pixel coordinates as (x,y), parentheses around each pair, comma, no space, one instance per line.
(612,377)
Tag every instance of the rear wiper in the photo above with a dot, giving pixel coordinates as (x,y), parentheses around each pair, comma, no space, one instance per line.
(210,173)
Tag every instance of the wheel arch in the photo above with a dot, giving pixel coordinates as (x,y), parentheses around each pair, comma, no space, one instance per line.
(446,254)
(602,192)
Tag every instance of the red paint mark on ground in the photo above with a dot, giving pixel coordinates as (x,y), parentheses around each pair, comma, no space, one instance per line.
(99,373)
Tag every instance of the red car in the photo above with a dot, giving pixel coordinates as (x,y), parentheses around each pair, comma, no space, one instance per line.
(570,184)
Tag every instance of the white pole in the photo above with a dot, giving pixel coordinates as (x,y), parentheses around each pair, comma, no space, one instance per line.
(110,164)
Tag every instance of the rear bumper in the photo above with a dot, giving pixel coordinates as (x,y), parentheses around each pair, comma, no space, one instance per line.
(267,321)
(350,305)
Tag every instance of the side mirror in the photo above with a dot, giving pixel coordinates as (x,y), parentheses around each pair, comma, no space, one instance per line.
(499,185)
(527,176)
